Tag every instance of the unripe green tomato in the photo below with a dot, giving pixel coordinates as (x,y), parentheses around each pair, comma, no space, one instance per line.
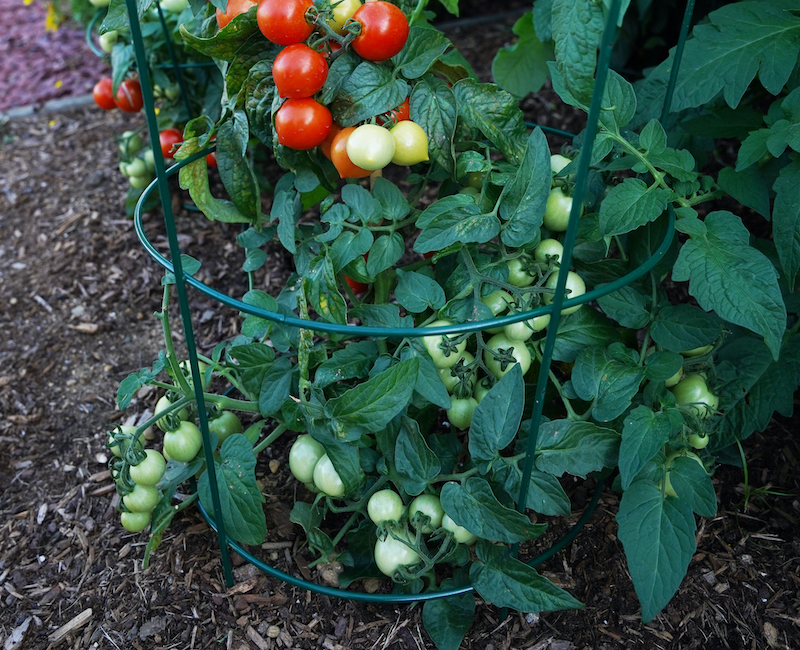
(668,489)
(692,391)
(150,470)
(186,369)
(460,534)
(134,522)
(548,248)
(481,389)
(558,162)
(304,456)
(107,40)
(130,143)
(429,505)
(174,6)
(126,428)
(698,352)
(370,147)
(443,358)
(225,425)
(518,350)
(164,403)
(517,275)
(139,182)
(184,443)
(385,505)
(461,410)
(143,498)
(172,92)
(473,179)
(449,380)
(100,3)
(498,301)
(149,160)
(575,287)
(136,167)
(523,330)
(699,441)
(391,553)
(327,479)
(556,214)
(410,143)
(673,381)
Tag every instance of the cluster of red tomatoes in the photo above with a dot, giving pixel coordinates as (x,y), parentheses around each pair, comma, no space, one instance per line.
(128,97)
(300,71)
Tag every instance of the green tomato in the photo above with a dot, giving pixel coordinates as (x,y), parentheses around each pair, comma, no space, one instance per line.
(164,403)
(523,330)
(107,40)
(327,479)
(692,391)
(385,505)
(391,553)
(558,162)
(698,352)
(498,301)
(143,498)
(474,180)
(460,534)
(126,428)
(100,3)
(149,160)
(150,470)
(184,443)
(370,147)
(518,350)
(135,522)
(304,456)
(410,143)
(174,6)
(186,370)
(139,182)
(575,287)
(136,167)
(225,425)
(461,409)
(673,381)
(450,380)
(699,441)
(517,275)
(427,505)
(443,353)
(130,143)
(548,248)
(556,214)
(481,389)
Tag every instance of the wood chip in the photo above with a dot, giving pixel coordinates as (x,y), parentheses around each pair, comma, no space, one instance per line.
(17,636)
(86,328)
(256,638)
(76,623)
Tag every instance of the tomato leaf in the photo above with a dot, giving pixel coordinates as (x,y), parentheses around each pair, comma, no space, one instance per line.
(382,316)
(544,495)
(423,47)
(256,326)
(692,484)
(474,506)
(416,464)
(276,384)
(447,620)
(684,327)
(433,107)
(524,199)
(786,219)
(133,382)
(627,306)
(375,402)
(323,291)
(496,419)
(504,581)
(234,168)
(464,225)
(605,381)
(748,188)
(575,447)
(394,205)
(521,68)
(417,292)
(631,204)
(384,253)
(348,246)
(643,436)
(658,537)
(248,54)
(369,90)
(239,494)
(225,43)
(253,361)
(619,104)
(362,203)
(429,385)
(577,27)
(582,329)
(730,277)
(350,362)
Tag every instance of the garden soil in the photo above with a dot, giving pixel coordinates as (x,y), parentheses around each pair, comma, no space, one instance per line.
(76,315)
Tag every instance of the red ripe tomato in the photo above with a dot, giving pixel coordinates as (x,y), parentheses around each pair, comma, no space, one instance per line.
(325,147)
(234,8)
(302,123)
(129,96)
(299,71)
(399,114)
(168,139)
(346,167)
(211,158)
(356,286)
(384,31)
(284,21)
(104,94)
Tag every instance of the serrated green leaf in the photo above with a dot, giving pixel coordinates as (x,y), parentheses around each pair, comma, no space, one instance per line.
(371,89)
(575,447)
(239,494)
(496,419)
(464,225)
(606,382)
(384,253)
(350,362)
(253,361)
(416,464)
(433,107)
(447,620)
(619,103)
(544,494)
(417,292)
(631,204)
(521,68)
(577,27)
(786,220)
(748,187)
(133,382)
(323,292)
(234,168)
(423,47)
(276,383)
(684,327)
(626,306)
(504,581)
(581,329)
(658,537)
(692,484)
(643,436)
(732,278)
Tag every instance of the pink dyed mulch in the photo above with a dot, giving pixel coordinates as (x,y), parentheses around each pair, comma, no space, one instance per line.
(36,65)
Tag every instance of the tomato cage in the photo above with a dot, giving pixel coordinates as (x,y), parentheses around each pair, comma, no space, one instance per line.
(185,281)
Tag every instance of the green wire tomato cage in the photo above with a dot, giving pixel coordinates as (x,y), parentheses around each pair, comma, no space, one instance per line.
(175,266)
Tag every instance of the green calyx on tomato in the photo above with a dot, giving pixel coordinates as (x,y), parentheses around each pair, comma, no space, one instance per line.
(548,249)
(518,274)
(458,373)
(502,353)
(304,456)
(575,287)
(117,448)
(150,470)
(425,513)
(443,349)
(693,393)
(370,147)
(163,404)
(410,143)
(342,10)
(385,505)
(327,479)
(184,443)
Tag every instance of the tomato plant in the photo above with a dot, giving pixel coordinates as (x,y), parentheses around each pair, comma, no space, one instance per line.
(302,123)
(150,470)
(692,391)
(392,553)
(225,425)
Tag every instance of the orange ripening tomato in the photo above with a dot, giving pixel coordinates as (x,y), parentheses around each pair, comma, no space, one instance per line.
(325,147)
(234,8)
(340,159)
